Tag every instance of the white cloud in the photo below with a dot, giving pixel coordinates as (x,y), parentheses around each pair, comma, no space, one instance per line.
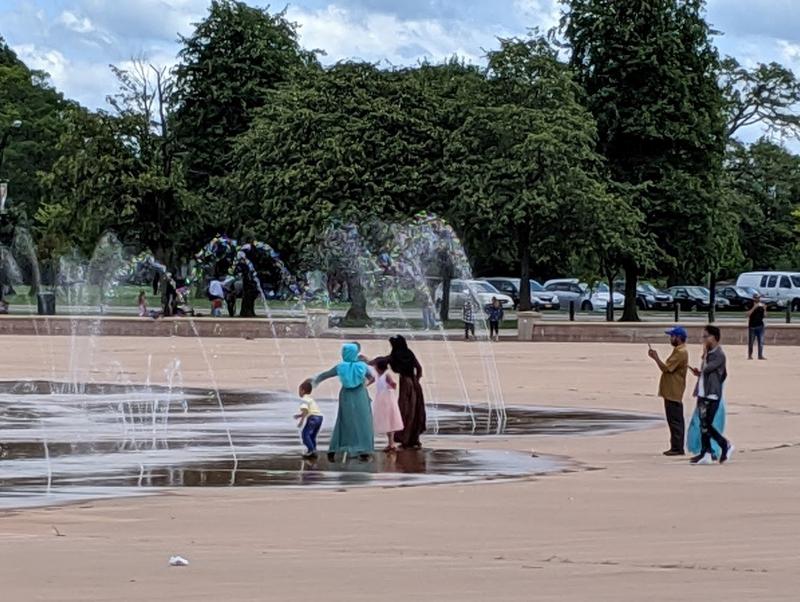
(790,51)
(87,82)
(344,34)
(75,40)
(160,20)
(77,24)
(545,14)
(44,59)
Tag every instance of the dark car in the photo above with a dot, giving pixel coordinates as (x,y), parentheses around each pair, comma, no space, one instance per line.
(540,298)
(648,296)
(741,298)
(696,298)
(738,297)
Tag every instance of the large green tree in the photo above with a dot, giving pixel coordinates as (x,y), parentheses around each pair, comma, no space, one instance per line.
(26,95)
(234,57)
(765,181)
(348,144)
(119,172)
(765,96)
(525,158)
(650,73)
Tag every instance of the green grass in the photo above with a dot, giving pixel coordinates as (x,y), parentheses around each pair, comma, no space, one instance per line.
(128,296)
(123,296)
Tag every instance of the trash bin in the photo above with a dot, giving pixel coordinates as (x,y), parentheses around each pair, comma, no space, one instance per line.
(46,304)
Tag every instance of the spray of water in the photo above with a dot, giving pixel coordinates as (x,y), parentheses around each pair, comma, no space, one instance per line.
(397,265)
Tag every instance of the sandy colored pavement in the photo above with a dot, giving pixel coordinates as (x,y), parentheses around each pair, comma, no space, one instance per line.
(639,527)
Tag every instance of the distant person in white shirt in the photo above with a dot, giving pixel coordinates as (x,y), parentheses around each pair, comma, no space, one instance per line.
(216,294)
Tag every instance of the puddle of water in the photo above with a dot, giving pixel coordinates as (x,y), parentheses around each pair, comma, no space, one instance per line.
(110,440)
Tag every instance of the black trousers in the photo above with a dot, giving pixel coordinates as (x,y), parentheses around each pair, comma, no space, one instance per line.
(677,428)
(469,328)
(707,408)
(494,328)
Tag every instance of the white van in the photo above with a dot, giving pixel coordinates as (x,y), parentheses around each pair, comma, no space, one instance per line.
(781,286)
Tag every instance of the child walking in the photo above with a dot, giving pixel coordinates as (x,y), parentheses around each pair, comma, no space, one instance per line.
(495,313)
(142,301)
(468,316)
(385,411)
(312,417)
(143,311)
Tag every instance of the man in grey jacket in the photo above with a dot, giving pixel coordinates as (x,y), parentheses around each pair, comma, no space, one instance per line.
(712,373)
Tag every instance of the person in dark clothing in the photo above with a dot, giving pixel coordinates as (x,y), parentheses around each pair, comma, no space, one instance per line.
(712,375)
(495,313)
(410,397)
(169,295)
(755,325)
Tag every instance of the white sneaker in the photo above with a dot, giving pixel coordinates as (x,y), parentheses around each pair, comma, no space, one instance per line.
(705,460)
(731,449)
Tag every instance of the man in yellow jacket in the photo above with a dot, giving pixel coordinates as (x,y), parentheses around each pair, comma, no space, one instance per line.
(672,387)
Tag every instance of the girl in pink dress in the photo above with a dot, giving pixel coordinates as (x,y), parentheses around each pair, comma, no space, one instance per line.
(386,413)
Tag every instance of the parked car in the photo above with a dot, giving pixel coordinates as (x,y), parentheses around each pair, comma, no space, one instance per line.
(540,298)
(781,286)
(647,296)
(586,299)
(568,291)
(771,302)
(696,298)
(741,298)
(480,291)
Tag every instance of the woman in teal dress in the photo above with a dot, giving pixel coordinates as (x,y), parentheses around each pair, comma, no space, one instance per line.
(353,433)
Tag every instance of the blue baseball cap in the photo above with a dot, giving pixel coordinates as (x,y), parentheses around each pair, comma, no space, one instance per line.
(678,331)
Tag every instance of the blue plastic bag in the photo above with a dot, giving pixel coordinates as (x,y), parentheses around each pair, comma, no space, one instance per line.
(693,443)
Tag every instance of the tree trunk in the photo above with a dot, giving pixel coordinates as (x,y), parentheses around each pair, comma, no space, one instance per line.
(631,312)
(712,305)
(446,269)
(524,268)
(357,314)
(610,307)
(160,255)
(444,312)
(249,296)
(167,296)
(36,277)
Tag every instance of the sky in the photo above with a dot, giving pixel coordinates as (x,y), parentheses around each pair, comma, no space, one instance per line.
(76,40)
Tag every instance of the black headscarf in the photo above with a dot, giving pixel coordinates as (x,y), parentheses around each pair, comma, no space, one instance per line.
(402,359)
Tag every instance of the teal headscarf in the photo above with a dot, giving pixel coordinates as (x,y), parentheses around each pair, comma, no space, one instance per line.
(351,371)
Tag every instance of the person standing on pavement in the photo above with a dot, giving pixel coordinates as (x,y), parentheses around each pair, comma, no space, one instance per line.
(424,300)
(672,387)
(712,374)
(755,326)
(216,294)
(468,317)
(495,313)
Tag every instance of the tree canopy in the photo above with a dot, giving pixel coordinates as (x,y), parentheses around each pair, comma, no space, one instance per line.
(649,72)
(25,95)
(618,152)
(228,65)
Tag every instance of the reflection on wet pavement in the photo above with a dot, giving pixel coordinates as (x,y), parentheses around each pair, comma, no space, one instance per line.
(65,443)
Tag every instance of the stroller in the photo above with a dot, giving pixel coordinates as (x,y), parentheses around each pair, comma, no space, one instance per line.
(182,305)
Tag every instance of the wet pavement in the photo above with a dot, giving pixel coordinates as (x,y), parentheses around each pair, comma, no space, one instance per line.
(66,442)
